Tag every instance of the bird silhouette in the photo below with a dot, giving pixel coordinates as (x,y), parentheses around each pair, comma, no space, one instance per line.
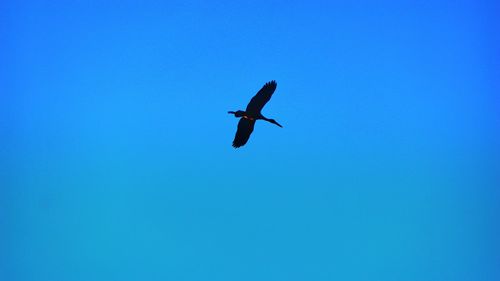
(252,114)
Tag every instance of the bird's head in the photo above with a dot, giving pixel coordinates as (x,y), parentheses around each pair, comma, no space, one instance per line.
(238,113)
(275,123)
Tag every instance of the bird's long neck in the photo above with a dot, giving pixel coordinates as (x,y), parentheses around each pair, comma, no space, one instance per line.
(272,121)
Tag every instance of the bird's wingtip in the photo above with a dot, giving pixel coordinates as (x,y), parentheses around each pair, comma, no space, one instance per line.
(271,84)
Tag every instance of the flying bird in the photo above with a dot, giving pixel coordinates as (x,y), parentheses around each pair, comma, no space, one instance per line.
(252,114)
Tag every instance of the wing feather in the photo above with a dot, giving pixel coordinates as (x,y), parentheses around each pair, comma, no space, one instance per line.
(245,129)
(261,98)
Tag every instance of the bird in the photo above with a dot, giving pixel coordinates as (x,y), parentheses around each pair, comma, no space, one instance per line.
(252,114)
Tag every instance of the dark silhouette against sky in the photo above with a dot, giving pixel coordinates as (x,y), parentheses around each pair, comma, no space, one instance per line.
(115,149)
(252,114)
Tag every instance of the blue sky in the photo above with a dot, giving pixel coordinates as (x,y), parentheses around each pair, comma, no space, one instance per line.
(116,160)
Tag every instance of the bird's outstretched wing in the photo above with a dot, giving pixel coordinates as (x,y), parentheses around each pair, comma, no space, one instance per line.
(245,128)
(261,98)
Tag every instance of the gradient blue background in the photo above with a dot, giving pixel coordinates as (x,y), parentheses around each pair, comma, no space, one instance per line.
(115,145)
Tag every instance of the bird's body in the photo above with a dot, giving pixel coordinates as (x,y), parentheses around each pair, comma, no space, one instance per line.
(252,114)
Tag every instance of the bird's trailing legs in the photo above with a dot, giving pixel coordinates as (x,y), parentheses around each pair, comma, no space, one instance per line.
(239,113)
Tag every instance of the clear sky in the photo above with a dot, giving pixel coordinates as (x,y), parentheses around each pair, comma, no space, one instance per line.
(115,143)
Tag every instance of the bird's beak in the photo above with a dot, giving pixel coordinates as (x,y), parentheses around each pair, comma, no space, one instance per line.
(278,124)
